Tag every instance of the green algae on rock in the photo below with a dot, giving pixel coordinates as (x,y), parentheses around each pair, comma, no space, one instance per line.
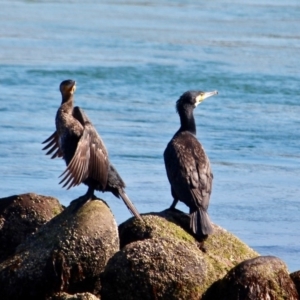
(223,249)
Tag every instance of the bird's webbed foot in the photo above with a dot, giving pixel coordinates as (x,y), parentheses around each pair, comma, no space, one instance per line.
(201,246)
(80,201)
(84,199)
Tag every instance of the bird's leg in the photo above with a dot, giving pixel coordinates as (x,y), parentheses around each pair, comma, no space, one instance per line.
(175,201)
(89,194)
(85,198)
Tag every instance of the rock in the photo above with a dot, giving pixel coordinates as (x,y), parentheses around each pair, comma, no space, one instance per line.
(296,279)
(263,278)
(156,268)
(67,254)
(163,224)
(160,260)
(223,249)
(22,215)
(79,296)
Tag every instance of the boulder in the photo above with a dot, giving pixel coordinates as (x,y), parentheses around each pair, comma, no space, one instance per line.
(67,254)
(296,279)
(156,268)
(263,278)
(161,260)
(21,216)
(223,249)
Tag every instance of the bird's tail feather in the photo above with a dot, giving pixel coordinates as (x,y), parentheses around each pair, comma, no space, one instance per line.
(200,223)
(130,205)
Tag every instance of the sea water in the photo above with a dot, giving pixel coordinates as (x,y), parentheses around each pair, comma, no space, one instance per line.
(132,60)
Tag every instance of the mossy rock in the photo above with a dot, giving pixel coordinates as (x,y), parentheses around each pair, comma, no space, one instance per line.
(161,259)
(263,278)
(223,249)
(67,254)
(162,224)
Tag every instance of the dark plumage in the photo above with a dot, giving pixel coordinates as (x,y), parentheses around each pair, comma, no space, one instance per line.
(78,143)
(188,168)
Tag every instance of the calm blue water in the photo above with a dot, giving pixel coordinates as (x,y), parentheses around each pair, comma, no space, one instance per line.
(132,60)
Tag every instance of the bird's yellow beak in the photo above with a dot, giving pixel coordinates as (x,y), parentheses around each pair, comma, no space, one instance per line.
(73,89)
(205,95)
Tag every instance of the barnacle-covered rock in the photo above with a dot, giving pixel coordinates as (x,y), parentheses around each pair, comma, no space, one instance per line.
(67,254)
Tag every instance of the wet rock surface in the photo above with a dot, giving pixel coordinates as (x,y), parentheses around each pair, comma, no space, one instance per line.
(21,216)
(66,254)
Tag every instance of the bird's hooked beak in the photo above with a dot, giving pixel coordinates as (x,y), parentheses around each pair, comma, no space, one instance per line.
(204,95)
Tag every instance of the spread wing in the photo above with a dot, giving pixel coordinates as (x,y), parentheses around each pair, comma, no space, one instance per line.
(90,159)
(188,170)
(52,143)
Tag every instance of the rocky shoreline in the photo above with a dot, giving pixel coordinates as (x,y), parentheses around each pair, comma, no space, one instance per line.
(51,252)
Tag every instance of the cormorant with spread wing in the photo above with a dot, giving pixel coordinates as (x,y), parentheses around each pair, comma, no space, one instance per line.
(78,143)
(188,167)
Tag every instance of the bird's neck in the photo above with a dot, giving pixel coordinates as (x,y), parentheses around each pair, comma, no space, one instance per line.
(67,103)
(187,121)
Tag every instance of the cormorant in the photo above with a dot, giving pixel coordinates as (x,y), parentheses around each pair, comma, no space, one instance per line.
(78,143)
(188,167)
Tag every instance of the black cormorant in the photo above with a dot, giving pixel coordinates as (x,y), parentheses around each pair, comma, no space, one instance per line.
(187,165)
(78,143)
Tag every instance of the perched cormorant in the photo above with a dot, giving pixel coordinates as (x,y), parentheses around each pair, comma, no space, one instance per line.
(188,168)
(78,143)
